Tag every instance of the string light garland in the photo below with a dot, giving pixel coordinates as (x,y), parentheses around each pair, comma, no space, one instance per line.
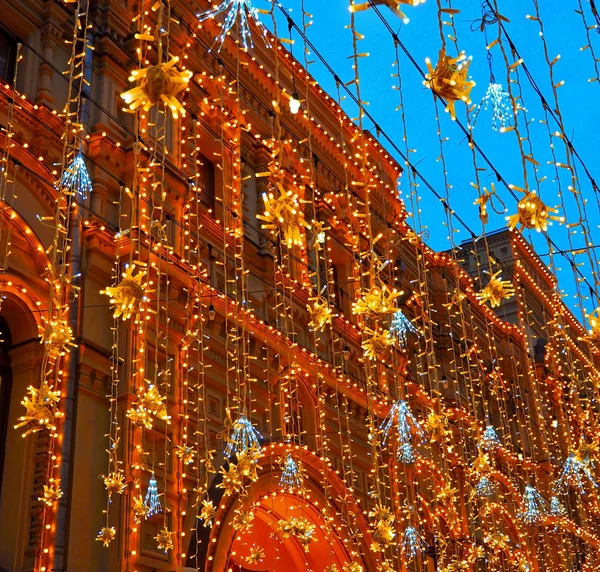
(393,5)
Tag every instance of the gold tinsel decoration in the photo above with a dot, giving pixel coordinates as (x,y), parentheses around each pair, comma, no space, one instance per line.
(437,426)
(246,468)
(586,452)
(207,513)
(299,528)
(496,290)
(256,556)
(52,492)
(283,214)
(377,301)
(40,409)
(185,453)
(128,295)
(140,509)
(106,535)
(57,337)
(149,405)
(376,343)
(114,482)
(158,83)
(532,213)
(449,79)
(383,528)
(320,313)
(164,539)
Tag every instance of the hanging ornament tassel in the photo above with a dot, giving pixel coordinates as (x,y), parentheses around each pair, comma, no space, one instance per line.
(152,498)
(485,487)
(291,478)
(408,428)
(497,100)
(535,508)
(243,437)
(235,9)
(75,179)
(413,543)
(489,440)
(576,473)
(556,508)
(401,326)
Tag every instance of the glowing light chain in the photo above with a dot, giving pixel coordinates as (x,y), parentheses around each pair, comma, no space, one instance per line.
(413,543)
(500,102)
(401,327)
(75,178)
(291,478)
(243,437)
(235,9)
(152,498)
(393,5)
(534,508)
(407,427)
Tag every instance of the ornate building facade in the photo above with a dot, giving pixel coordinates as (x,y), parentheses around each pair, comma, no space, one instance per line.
(283,375)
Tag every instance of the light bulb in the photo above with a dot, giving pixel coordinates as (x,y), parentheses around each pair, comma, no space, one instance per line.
(294,103)
(346,352)
(211,313)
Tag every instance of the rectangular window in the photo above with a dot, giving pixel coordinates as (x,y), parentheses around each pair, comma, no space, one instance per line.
(8,55)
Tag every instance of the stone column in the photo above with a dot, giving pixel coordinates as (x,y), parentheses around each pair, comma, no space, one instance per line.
(50,36)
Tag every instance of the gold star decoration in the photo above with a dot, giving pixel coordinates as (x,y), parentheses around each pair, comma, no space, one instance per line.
(140,509)
(594,331)
(383,532)
(481,465)
(127,296)
(40,409)
(158,83)
(243,519)
(207,513)
(300,528)
(114,482)
(164,539)
(437,425)
(496,290)
(185,453)
(106,535)
(246,468)
(449,79)
(376,343)
(150,404)
(393,5)
(257,555)
(52,492)
(57,337)
(283,214)
(532,213)
(377,301)
(320,313)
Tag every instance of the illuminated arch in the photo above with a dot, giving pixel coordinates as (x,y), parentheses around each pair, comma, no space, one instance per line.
(225,546)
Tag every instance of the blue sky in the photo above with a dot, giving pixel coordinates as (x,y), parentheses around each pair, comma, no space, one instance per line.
(565,35)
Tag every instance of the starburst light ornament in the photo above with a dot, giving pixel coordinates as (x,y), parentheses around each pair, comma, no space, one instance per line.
(152,498)
(57,337)
(185,453)
(594,331)
(114,483)
(299,528)
(158,83)
(577,474)
(485,487)
(413,543)
(140,509)
(164,539)
(383,532)
(401,327)
(393,5)
(376,343)
(320,313)
(499,102)
(106,535)
(235,9)
(243,436)
(52,493)
(496,290)
(377,301)
(449,79)
(283,214)
(408,430)
(207,512)
(256,556)
(40,409)
(532,213)
(556,508)
(534,508)
(75,178)
(291,477)
(129,294)
(489,440)
(149,405)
